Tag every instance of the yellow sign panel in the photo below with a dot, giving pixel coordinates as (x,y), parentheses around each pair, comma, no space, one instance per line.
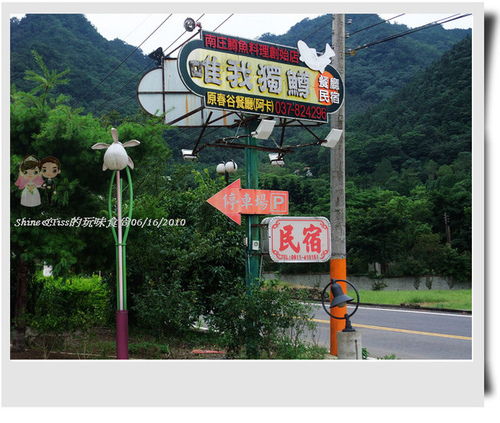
(255,83)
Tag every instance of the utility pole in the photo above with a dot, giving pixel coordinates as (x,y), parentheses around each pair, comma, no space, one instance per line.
(337,185)
(252,231)
(447,227)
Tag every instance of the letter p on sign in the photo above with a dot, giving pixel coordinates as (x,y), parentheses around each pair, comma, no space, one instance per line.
(279,202)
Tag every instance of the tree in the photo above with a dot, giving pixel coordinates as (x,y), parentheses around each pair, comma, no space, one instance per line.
(68,234)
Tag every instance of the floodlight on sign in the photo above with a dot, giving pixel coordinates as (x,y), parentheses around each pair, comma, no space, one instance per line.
(276,159)
(188,155)
(333,138)
(264,129)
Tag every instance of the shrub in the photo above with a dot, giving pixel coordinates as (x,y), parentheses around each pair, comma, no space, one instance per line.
(270,321)
(70,304)
(165,309)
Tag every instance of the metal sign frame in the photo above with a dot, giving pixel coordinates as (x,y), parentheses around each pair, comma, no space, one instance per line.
(254,77)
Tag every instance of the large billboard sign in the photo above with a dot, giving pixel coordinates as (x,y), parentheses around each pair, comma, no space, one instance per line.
(162,92)
(255,77)
(291,239)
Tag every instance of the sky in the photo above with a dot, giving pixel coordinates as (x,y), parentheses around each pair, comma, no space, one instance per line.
(135,28)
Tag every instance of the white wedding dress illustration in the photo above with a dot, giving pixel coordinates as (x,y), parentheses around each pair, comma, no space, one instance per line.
(30,197)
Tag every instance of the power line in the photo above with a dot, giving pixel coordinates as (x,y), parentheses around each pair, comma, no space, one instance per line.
(167,54)
(230,16)
(355,32)
(135,29)
(122,62)
(141,71)
(371,26)
(328,22)
(411,31)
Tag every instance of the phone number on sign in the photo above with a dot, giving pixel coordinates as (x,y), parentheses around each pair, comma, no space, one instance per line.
(285,108)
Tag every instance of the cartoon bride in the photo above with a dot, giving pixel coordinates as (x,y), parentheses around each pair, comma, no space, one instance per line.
(29,181)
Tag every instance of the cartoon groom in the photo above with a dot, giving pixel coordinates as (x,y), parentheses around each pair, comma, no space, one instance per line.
(51,167)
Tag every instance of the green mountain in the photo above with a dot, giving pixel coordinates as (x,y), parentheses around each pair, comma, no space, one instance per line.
(408,131)
(430,118)
(100,79)
(380,70)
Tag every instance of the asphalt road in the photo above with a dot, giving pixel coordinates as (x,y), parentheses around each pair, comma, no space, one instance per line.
(407,334)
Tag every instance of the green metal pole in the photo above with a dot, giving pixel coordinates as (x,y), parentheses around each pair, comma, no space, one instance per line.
(252,231)
(125,236)
(113,230)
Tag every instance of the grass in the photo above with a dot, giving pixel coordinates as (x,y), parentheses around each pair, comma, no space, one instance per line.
(445,299)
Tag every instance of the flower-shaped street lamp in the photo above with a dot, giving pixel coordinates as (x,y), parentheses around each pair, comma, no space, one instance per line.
(117,159)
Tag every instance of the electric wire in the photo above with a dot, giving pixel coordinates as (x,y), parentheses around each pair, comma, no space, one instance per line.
(359,30)
(230,16)
(394,36)
(329,22)
(149,64)
(121,63)
(144,69)
(378,23)
(133,78)
(411,31)
(135,29)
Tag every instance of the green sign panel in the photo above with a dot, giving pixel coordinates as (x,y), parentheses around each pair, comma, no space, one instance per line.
(255,77)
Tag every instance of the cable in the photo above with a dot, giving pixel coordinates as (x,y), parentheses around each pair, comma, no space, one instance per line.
(167,54)
(147,66)
(121,63)
(371,26)
(316,30)
(230,16)
(135,29)
(411,31)
(179,38)
(359,30)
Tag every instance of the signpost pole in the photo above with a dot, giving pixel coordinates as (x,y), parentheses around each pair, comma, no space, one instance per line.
(337,186)
(252,231)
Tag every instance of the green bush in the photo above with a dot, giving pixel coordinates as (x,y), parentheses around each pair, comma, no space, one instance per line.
(66,305)
(270,321)
(165,309)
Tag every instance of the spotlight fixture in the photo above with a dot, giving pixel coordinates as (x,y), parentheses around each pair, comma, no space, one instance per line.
(189,24)
(276,159)
(332,138)
(264,129)
(189,156)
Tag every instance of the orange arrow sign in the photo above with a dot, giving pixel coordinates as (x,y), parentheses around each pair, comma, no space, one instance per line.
(234,201)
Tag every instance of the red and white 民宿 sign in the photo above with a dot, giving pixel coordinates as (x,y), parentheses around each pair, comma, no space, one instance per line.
(297,239)
(234,201)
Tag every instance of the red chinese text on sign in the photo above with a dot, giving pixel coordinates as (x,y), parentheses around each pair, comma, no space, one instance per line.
(234,201)
(299,239)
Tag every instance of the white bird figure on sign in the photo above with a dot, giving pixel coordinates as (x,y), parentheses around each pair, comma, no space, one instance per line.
(310,57)
(116,158)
